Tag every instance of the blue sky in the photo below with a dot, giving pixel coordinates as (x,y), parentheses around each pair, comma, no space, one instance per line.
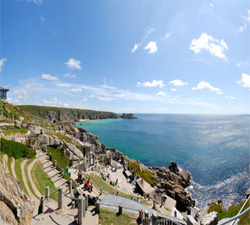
(128,56)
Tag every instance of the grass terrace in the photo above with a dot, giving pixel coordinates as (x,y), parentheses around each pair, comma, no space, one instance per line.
(27,177)
(110,217)
(38,175)
(15,131)
(9,165)
(19,175)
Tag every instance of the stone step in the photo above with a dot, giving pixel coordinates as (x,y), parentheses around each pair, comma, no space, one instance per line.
(47,164)
(43,161)
(60,183)
(65,189)
(49,168)
(53,173)
(56,178)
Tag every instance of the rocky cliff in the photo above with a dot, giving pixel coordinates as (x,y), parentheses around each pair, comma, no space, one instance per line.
(65,114)
(15,206)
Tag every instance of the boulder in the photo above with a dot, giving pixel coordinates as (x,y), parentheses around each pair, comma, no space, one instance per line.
(74,150)
(15,205)
(17,124)
(35,130)
(44,140)
(209,219)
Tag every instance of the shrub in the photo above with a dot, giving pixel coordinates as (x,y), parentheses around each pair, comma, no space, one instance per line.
(16,150)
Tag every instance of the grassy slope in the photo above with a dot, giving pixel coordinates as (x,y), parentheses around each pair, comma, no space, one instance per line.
(9,165)
(39,175)
(110,217)
(27,177)
(232,211)
(15,131)
(19,174)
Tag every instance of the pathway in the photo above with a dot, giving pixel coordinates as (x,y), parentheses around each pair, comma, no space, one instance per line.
(13,167)
(30,178)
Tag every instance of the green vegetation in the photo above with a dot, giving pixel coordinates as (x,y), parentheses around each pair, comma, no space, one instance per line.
(146,175)
(232,211)
(71,114)
(16,150)
(19,175)
(9,165)
(10,110)
(99,183)
(42,180)
(1,157)
(62,137)
(14,131)
(110,217)
(27,177)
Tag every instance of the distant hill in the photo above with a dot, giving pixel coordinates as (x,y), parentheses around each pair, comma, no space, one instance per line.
(66,114)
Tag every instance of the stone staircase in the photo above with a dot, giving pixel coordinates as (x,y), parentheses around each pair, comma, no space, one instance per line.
(52,172)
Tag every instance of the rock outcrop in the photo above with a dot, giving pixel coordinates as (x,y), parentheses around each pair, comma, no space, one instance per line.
(174,183)
(15,205)
(128,116)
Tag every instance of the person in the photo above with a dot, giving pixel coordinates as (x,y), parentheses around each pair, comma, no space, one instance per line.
(138,200)
(117,193)
(116,182)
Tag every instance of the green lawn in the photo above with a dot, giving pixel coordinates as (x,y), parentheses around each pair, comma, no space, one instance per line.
(107,217)
(99,183)
(9,165)
(27,177)
(19,173)
(14,131)
(42,180)
(232,211)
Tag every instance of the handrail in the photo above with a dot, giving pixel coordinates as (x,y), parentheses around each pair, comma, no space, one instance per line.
(242,208)
(235,217)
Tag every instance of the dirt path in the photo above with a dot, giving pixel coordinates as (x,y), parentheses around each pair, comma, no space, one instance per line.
(31,181)
(13,167)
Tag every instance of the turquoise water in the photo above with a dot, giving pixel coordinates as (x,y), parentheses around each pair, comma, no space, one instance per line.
(214,148)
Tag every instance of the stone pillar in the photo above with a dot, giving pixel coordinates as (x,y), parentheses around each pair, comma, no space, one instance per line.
(162,201)
(62,172)
(146,221)
(83,206)
(154,205)
(86,202)
(73,204)
(55,163)
(97,208)
(175,213)
(60,198)
(141,215)
(80,210)
(120,209)
(154,218)
(47,192)
(70,186)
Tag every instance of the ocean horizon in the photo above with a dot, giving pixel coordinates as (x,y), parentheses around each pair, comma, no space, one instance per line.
(213,148)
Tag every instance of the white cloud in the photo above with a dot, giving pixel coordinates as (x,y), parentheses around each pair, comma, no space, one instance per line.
(42,19)
(245,80)
(243,28)
(231,97)
(37,2)
(173,89)
(152,47)
(106,99)
(166,36)
(92,96)
(69,75)
(73,64)
(84,100)
(161,93)
(135,48)
(2,61)
(178,82)
(51,102)
(76,90)
(211,4)
(154,83)
(243,64)
(49,77)
(206,85)
(211,44)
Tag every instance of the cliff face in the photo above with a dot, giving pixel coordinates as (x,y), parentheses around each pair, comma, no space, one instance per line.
(15,206)
(65,114)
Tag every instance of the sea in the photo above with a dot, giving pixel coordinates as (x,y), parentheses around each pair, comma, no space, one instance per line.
(215,149)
